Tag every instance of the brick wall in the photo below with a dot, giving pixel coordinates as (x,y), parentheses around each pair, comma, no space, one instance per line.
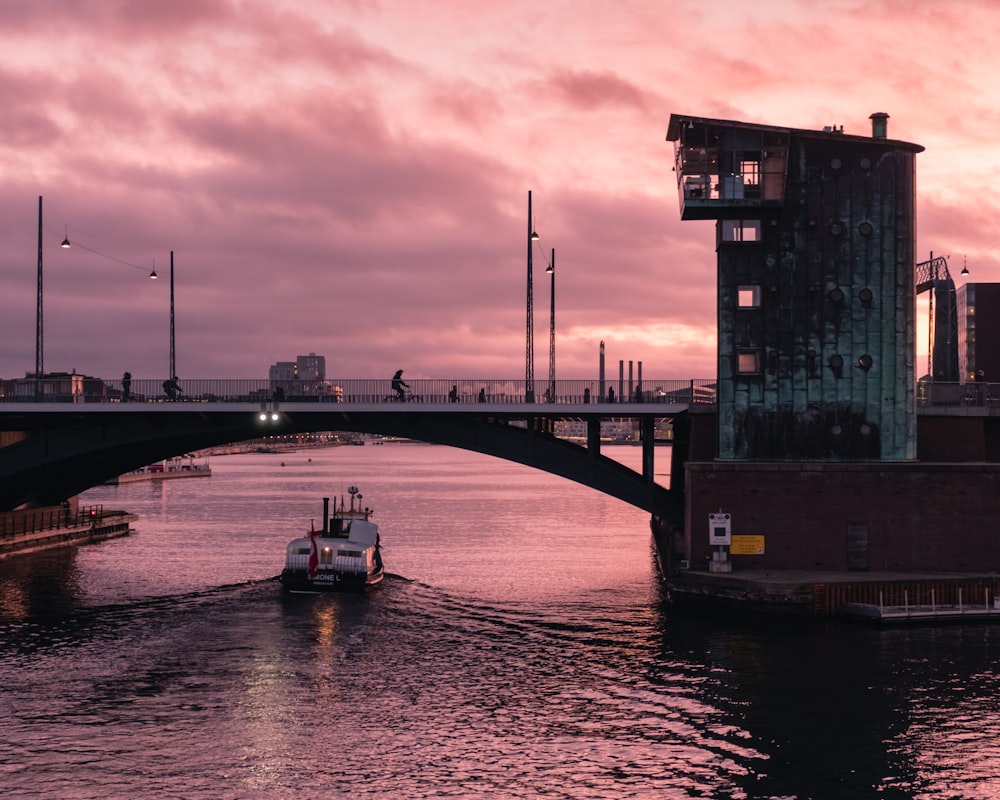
(933,518)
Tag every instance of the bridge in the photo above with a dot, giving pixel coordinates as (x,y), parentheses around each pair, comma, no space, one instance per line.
(67,433)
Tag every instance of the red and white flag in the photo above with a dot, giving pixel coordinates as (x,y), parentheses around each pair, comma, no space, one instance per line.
(313,554)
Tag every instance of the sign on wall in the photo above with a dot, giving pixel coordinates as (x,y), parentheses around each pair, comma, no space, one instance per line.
(747,545)
(720,528)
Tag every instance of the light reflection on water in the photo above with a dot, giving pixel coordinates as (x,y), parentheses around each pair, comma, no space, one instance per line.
(519,648)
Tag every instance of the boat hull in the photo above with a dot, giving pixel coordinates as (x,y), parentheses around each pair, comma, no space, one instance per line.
(294,580)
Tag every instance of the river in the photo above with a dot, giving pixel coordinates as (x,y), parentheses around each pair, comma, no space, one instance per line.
(520,647)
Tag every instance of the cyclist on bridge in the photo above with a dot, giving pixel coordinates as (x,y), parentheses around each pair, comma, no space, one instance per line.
(398,385)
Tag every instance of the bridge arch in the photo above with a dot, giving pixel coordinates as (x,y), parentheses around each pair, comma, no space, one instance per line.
(66,452)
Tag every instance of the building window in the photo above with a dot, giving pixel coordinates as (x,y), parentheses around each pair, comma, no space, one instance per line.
(750,170)
(747,362)
(740,230)
(748,296)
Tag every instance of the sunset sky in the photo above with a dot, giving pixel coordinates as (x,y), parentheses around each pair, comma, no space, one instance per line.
(351,178)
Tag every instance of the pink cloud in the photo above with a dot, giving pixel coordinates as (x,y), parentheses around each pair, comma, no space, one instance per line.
(338,179)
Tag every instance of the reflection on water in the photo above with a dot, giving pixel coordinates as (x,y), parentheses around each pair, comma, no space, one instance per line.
(519,648)
(40,583)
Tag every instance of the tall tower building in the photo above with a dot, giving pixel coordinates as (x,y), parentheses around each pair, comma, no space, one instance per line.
(815,272)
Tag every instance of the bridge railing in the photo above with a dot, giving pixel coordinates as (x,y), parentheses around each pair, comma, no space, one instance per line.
(82,389)
(958,395)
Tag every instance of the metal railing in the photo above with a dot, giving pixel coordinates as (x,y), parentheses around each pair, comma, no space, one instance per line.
(77,389)
(81,389)
(37,520)
(973,394)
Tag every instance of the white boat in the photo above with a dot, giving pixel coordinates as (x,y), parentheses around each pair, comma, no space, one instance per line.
(342,556)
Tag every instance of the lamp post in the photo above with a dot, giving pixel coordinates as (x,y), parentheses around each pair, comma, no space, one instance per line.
(529,348)
(39,360)
(154,276)
(173,363)
(39,319)
(551,269)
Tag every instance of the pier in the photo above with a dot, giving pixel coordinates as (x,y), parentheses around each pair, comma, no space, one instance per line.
(59,526)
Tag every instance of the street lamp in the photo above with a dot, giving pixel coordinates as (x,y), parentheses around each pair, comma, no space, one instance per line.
(38,309)
(529,348)
(551,269)
(39,319)
(153,276)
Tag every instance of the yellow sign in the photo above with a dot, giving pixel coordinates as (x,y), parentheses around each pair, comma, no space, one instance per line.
(747,545)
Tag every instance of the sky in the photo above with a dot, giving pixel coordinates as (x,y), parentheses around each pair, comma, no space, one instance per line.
(351,178)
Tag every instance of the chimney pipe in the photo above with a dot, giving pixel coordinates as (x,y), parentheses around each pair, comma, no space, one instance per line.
(880,125)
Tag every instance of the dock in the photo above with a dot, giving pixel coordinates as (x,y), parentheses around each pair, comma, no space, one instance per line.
(879,597)
(44,528)
(932,612)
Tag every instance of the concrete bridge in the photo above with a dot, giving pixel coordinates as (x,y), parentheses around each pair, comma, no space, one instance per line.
(72,433)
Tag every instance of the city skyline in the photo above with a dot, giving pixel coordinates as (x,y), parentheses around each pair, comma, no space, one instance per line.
(351,179)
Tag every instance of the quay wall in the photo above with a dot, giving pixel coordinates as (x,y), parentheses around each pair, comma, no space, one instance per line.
(897,516)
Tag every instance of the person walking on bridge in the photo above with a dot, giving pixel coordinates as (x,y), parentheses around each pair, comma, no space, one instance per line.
(398,386)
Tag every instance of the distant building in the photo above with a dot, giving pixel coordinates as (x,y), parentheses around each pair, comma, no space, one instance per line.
(282,372)
(56,386)
(304,376)
(979,330)
(311,367)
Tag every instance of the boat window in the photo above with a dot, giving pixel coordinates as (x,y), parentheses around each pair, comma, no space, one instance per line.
(351,553)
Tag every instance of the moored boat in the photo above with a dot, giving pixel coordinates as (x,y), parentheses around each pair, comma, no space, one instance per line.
(343,555)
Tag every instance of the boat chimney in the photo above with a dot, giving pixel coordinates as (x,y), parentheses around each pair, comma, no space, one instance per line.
(880,125)
(326,515)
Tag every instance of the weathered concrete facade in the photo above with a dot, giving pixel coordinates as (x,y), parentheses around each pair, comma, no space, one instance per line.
(816,305)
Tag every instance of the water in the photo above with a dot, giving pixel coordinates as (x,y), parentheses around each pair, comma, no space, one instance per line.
(519,648)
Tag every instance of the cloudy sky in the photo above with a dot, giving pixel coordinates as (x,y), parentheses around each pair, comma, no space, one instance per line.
(351,177)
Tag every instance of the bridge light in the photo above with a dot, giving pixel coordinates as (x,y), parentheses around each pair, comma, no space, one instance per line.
(274,416)
(263,416)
